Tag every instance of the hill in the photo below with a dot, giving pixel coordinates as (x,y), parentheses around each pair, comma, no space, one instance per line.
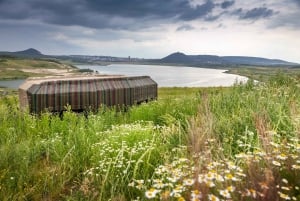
(181,58)
(21,68)
(28,53)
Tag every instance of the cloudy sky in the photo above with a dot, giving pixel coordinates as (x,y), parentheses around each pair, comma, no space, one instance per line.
(153,28)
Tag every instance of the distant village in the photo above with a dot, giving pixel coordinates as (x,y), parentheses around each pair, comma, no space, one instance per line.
(104,58)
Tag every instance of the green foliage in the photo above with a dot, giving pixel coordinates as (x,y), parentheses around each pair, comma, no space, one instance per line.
(85,70)
(123,153)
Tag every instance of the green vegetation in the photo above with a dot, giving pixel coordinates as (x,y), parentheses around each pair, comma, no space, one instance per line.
(85,70)
(263,73)
(237,143)
(18,68)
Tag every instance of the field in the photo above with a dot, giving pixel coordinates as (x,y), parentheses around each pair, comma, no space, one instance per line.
(237,143)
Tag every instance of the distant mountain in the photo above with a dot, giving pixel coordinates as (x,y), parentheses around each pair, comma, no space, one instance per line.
(29,52)
(32,53)
(255,61)
(177,58)
(181,58)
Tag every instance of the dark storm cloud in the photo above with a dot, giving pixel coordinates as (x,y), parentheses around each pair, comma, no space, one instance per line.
(126,14)
(199,11)
(138,8)
(104,13)
(227,4)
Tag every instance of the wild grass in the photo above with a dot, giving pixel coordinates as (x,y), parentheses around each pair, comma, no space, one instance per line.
(236,143)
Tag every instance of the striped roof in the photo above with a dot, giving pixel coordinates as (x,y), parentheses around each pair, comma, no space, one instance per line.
(85,92)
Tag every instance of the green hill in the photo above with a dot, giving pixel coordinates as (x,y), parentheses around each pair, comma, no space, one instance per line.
(17,67)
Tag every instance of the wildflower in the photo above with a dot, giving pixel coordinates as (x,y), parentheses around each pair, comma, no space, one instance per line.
(260,153)
(296,167)
(158,184)
(178,189)
(210,184)
(201,178)
(181,199)
(285,188)
(160,170)
(293,156)
(284,196)
(210,176)
(196,195)
(219,178)
(225,193)
(231,166)
(276,163)
(241,174)
(131,184)
(230,188)
(251,193)
(282,157)
(173,179)
(188,182)
(230,177)
(274,144)
(212,197)
(151,193)
(140,184)
(175,194)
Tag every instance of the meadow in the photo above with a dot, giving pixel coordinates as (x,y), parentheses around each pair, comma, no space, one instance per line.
(235,143)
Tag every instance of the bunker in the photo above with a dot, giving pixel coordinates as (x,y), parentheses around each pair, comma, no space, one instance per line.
(85,92)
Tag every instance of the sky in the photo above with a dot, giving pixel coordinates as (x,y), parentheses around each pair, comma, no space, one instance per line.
(153,28)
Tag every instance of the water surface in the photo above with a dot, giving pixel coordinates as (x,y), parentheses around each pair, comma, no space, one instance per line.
(172,76)
(165,76)
(12,84)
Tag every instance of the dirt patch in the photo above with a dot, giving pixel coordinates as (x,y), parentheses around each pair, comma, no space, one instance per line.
(46,71)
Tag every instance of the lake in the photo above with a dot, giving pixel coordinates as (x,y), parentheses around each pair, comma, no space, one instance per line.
(12,84)
(172,76)
(165,76)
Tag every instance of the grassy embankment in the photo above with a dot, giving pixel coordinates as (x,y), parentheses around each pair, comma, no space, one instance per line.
(20,68)
(238,143)
(263,73)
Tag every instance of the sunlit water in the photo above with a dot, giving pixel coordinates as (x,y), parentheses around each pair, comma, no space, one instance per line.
(165,76)
(172,76)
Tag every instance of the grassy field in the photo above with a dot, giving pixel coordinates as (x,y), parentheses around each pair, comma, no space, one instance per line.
(237,143)
(18,68)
